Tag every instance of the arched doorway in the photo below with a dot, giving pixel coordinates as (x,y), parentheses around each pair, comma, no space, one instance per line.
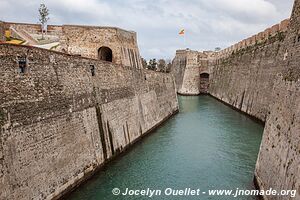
(105,53)
(204,83)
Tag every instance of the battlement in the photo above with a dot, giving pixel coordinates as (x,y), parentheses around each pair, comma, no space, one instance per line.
(189,64)
(98,27)
(181,52)
(57,29)
(34,28)
(255,39)
(2,31)
(259,38)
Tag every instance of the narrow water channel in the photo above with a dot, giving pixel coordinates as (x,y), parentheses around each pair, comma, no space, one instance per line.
(206,146)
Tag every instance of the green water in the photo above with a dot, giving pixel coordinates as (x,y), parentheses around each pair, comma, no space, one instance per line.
(206,146)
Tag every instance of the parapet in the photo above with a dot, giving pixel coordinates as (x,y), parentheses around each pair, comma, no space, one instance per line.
(99,27)
(35,28)
(181,51)
(258,38)
(2,31)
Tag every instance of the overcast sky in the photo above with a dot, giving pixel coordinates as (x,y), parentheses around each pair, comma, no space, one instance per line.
(208,23)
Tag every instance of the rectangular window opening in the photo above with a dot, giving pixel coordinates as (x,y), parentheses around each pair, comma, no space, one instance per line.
(92,68)
(22,62)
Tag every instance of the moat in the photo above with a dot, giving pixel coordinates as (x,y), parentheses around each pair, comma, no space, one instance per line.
(207,145)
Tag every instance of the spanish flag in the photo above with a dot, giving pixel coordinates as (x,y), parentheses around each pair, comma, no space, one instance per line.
(181,32)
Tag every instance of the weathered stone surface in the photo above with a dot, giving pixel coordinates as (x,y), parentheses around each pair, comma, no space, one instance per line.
(187,78)
(2,31)
(35,28)
(261,77)
(191,77)
(263,81)
(187,67)
(178,67)
(59,123)
(279,156)
(86,40)
(245,79)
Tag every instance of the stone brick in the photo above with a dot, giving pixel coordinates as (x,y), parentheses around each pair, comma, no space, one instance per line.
(283,26)
(59,122)
(2,31)
(87,40)
(263,80)
(187,68)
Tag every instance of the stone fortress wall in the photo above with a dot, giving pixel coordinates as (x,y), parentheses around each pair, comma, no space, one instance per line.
(262,80)
(255,39)
(188,66)
(244,73)
(35,28)
(191,77)
(261,77)
(180,62)
(87,41)
(279,157)
(2,31)
(63,116)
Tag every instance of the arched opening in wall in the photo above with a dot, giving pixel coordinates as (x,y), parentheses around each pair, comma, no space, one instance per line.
(204,75)
(105,53)
(204,83)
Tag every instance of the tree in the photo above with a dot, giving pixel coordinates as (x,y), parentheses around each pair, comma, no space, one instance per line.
(218,49)
(43,17)
(168,67)
(144,63)
(152,64)
(161,65)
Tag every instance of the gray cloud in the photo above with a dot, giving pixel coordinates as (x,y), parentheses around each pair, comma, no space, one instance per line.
(208,23)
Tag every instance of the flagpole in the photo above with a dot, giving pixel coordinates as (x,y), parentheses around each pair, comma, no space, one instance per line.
(184,41)
(182,33)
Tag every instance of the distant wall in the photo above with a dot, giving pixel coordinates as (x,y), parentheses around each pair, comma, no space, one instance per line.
(36,28)
(260,76)
(60,123)
(243,75)
(259,38)
(188,75)
(2,31)
(178,67)
(187,67)
(86,40)
(191,78)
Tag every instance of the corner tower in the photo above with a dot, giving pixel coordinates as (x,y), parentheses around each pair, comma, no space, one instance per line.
(105,43)
(192,70)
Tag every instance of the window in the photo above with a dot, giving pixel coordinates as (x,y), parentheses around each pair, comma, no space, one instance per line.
(105,53)
(297,39)
(92,68)
(22,62)
(204,75)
